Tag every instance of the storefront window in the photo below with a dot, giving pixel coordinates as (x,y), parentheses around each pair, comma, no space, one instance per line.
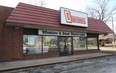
(92,43)
(79,43)
(50,44)
(32,44)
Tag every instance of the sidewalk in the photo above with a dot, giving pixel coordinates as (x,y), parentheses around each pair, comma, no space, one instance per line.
(108,48)
(29,63)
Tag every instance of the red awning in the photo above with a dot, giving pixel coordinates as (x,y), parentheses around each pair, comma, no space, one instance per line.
(26,14)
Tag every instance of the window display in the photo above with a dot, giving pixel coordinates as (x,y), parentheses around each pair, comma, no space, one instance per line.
(92,43)
(32,44)
(50,44)
(38,44)
(79,43)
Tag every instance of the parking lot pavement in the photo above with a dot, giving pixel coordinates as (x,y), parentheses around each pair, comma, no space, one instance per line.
(105,64)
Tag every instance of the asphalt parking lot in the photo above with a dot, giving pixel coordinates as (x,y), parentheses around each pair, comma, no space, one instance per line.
(105,64)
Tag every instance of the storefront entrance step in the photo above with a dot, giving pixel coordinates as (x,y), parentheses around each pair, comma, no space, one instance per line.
(37,62)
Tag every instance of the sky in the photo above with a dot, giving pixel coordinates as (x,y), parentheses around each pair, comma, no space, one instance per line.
(53,4)
(79,5)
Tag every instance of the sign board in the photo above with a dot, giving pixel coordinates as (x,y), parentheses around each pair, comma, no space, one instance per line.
(48,32)
(45,49)
(60,33)
(72,17)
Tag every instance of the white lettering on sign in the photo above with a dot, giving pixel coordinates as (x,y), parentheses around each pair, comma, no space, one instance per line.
(72,17)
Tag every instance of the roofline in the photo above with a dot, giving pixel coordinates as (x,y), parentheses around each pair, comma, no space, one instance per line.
(94,21)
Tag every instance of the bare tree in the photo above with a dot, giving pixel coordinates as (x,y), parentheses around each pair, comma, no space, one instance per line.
(101,10)
(37,2)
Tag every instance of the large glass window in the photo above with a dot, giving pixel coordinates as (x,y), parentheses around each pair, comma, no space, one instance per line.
(92,43)
(32,44)
(79,43)
(50,44)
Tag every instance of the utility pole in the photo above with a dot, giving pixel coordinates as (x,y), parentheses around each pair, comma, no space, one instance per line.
(113,42)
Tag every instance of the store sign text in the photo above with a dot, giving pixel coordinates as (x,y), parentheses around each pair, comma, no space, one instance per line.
(72,17)
(59,33)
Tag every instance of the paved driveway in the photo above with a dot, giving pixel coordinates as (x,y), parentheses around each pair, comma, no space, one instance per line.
(97,65)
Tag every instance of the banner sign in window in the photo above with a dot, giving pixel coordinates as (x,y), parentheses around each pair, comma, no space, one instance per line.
(73,17)
(48,32)
(60,33)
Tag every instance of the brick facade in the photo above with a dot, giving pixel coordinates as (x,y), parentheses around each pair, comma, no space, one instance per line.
(11,37)
(11,46)
(4,13)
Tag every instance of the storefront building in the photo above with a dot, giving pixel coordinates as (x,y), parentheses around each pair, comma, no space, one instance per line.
(32,32)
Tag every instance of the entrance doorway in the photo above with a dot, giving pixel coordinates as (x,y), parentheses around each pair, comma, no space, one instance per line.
(65,45)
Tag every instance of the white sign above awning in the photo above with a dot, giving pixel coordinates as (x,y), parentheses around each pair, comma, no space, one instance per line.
(72,17)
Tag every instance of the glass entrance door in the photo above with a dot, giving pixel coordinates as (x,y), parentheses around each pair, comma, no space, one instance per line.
(65,46)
